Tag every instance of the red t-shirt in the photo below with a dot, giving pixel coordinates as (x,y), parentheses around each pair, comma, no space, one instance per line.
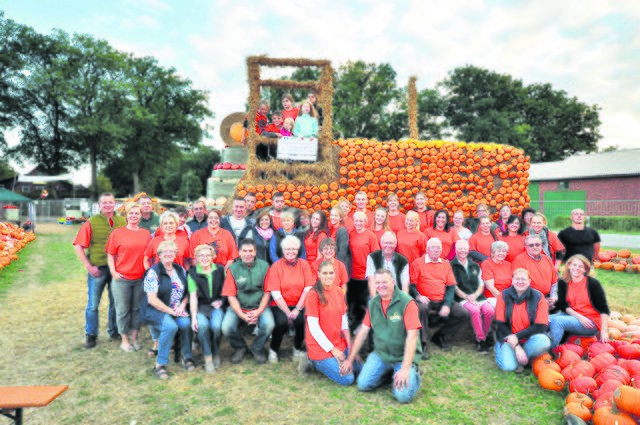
(312,245)
(578,300)
(271,128)
(542,273)
(516,246)
(426,219)
(181,233)
(128,246)
(430,278)
(276,221)
(289,280)
(396,222)
(369,215)
(361,244)
(223,242)
(152,250)
(481,243)
(348,224)
(341,275)
(291,113)
(379,234)
(411,244)
(448,239)
(330,320)
(520,316)
(500,273)
(411,318)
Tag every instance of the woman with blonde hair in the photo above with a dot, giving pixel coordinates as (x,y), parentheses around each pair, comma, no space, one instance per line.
(412,243)
(582,303)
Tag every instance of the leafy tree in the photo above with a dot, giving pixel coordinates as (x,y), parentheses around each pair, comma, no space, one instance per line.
(363,95)
(6,170)
(103,184)
(97,101)
(482,105)
(198,163)
(161,119)
(39,106)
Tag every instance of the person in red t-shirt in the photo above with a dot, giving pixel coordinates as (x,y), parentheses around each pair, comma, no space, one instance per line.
(442,230)
(496,272)
(125,251)
(425,213)
(396,218)
(289,280)
(412,243)
(362,242)
(541,270)
(514,237)
(273,129)
(380,223)
(289,110)
(433,287)
(361,200)
(480,242)
(318,231)
(328,254)
(522,315)
(582,302)
(169,225)
(222,240)
(340,234)
(327,332)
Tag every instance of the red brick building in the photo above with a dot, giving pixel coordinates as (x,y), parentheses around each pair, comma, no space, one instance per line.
(603,184)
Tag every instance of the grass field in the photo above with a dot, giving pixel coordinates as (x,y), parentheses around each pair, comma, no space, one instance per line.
(42,301)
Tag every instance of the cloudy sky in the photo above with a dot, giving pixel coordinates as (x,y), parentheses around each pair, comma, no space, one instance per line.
(590,49)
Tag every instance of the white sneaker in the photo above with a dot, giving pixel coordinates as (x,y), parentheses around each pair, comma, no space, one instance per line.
(273,356)
(209,366)
(297,353)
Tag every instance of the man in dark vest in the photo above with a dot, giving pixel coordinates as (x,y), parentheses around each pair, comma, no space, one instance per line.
(522,315)
(92,237)
(248,301)
(237,221)
(393,316)
(149,220)
(388,258)
(200,217)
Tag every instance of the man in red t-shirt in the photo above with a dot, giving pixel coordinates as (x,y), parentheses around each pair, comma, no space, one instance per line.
(433,287)
(542,271)
(98,274)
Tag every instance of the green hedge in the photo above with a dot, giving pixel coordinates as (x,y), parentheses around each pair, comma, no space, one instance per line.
(620,224)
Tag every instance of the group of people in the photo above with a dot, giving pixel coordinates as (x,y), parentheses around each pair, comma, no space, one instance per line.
(383,276)
(302,120)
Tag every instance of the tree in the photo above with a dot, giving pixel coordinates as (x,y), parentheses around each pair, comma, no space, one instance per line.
(482,105)
(6,170)
(38,104)
(162,119)
(363,96)
(198,163)
(97,101)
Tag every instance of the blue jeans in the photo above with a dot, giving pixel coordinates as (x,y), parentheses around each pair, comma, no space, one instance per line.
(230,325)
(376,371)
(167,331)
(561,322)
(534,347)
(331,369)
(95,288)
(210,331)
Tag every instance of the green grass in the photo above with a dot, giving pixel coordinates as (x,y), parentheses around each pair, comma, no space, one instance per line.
(42,312)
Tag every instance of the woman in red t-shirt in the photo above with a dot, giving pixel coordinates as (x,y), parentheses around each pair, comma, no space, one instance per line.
(412,243)
(327,329)
(328,254)
(514,237)
(442,231)
(424,212)
(168,225)
(380,223)
(125,251)
(582,302)
(496,272)
(480,242)
(220,239)
(396,218)
(318,231)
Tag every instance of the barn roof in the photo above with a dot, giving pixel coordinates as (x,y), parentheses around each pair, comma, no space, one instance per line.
(618,163)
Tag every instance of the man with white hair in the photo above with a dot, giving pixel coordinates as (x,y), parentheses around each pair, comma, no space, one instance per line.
(433,287)
(578,238)
(388,258)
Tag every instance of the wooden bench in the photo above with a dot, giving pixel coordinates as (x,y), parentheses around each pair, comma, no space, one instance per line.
(17,398)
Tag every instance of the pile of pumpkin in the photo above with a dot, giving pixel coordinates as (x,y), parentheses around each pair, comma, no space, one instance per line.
(454,175)
(134,199)
(12,240)
(603,378)
(619,261)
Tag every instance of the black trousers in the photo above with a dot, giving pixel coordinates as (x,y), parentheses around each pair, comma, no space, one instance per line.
(357,298)
(282,326)
(449,326)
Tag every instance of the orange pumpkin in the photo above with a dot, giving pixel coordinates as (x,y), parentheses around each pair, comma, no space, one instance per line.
(550,379)
(610,415)
(579,410)
(579,398)
(627,399)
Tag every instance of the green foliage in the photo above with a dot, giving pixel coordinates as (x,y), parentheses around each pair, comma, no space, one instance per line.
(198,163)
(103,184)
(274,95)
(6,170)
(482,105)
(620,224)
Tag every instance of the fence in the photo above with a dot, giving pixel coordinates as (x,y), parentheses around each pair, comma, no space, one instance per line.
(45,210)
(602,215)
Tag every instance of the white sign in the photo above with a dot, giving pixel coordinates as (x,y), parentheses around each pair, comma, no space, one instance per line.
(298,149)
